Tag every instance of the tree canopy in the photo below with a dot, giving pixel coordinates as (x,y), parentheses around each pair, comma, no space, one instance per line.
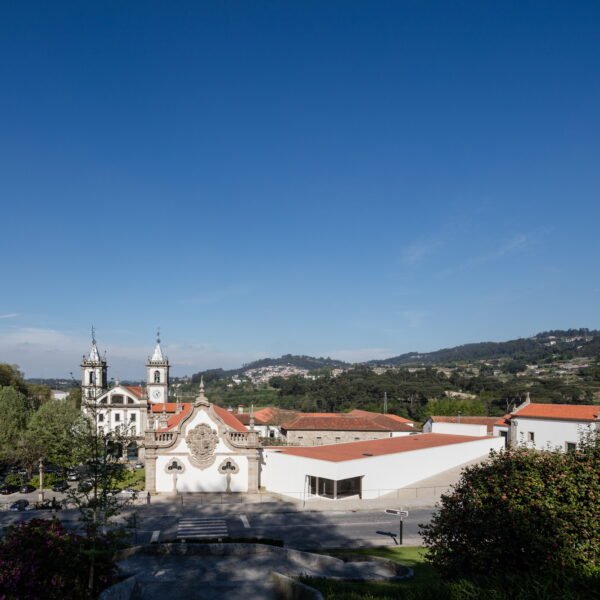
(521,512)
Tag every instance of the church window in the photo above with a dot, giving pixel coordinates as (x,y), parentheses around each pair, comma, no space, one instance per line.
(132,417)
(117,417)
(92,378)
(100,417)
(157,376)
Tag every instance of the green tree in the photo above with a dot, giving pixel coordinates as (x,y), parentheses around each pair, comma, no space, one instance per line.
(50,432)
(521,512)
(11,376)
(15,412)
(38,394)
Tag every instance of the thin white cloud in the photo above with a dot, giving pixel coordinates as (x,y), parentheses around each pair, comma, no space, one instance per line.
(51,353)
(514,244)
(419,249)
(9,315)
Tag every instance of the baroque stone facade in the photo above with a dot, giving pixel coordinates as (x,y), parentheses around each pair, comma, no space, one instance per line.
(203,448)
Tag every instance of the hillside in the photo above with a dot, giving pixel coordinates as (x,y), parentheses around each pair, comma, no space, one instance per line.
(546,345)
(309,363)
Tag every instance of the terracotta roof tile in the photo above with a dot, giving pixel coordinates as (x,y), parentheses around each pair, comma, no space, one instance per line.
(176,417)
(336,422)
(136,390)
(562,412)
(229,418)
(367,413)
(359,450)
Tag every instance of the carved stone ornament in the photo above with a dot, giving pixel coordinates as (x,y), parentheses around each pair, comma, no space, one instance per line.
(202,441)
(228,466)
(174,467)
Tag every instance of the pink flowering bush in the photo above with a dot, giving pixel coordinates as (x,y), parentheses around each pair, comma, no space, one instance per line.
(41,559)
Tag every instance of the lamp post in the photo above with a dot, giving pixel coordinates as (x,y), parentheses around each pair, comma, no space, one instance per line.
(41,478)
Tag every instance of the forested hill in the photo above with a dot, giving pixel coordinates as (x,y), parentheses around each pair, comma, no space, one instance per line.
(300,361)
(548,344)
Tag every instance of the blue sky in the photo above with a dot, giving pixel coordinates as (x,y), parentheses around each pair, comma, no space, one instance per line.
(354,179)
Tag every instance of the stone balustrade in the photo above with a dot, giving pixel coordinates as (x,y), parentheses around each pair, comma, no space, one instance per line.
(242,439)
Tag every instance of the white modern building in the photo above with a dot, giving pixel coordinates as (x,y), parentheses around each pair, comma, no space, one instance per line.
(368,469)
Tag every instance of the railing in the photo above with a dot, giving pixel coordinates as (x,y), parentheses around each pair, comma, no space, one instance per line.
(165,437)
(242,439)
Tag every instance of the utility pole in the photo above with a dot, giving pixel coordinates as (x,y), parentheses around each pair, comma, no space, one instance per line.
(385,406)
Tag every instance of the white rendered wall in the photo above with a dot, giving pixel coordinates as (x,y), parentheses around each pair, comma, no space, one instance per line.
(459,429)
(194,479)
(547,433)
(287,474)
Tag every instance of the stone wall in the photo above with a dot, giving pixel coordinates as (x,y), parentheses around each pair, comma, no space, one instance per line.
(318,438)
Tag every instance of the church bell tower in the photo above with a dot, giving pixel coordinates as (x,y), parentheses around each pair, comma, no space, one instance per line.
(157,380)
(94,371)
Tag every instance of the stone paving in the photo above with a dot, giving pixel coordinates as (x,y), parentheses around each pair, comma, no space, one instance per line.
(244,574)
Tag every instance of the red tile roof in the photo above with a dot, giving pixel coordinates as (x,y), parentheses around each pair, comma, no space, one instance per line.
(489,422)
(175,417)
(358,450)
(186,408)
(503,421)
(367,413)
(229,418)
(136,390)
(266,416)
(561,412)
(336,422)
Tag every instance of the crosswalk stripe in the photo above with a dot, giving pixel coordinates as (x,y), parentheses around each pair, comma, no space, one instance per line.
(201,528)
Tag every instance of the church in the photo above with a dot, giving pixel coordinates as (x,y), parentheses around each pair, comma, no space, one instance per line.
(201,447)
(187,447)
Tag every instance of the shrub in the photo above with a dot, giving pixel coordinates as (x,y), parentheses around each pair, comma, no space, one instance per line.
(522,512)
(40,559)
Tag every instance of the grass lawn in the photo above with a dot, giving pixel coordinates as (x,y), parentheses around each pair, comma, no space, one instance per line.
(134,478)
(425,584)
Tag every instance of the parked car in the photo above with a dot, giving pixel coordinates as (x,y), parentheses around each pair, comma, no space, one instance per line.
(138,465)
(73,476)
(19,505)
(8,489)
(85,486)
(26,489)
(60,486)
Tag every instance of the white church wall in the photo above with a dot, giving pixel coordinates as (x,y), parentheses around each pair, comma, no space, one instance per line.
(194,479)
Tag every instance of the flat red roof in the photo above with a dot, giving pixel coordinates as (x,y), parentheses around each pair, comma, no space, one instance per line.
(356,450)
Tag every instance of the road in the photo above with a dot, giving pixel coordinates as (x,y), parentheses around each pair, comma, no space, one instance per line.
(297,528)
